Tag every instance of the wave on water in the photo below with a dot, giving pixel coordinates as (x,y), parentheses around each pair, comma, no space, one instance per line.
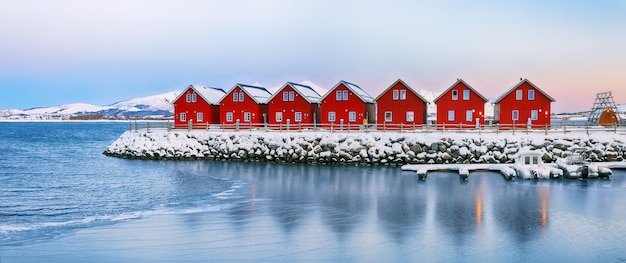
(16,234)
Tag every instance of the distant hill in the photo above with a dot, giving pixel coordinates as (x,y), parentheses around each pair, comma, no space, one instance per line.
(156,106)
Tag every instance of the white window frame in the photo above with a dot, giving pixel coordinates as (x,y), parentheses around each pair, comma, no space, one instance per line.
(388,116)
(469,115)
(338,95)
(466,94)
(515,115)
(345,95)
(352,116)
(279,116)
(396,94)
(410,116)
(455,95)
(534,115)
(183,117)
(292,96)
(297,116)
(241,96)
(519,94)
(450,115)
(229,117)
(199,117)
(331,116)
(285,96)
(235,96)
(246,116)
(403,94)
(193,97)
(188,99)
(531,94)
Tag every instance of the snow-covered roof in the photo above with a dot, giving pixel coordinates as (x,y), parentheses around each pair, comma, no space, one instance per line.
(259,94)
(511,89)
(355,89)
(406,86)
(308,93)
(209,94)
(454,85)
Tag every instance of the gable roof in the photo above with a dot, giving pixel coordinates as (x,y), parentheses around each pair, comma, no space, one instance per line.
(454,85)
(355,89)
(519,84)
(259,94)
(405,85)
(209,94)
(308,93)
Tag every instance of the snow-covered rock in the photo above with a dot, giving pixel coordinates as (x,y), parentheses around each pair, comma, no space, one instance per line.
(374,148)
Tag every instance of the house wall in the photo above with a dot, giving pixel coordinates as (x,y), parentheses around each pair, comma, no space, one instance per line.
(399,108)
(239,108)
(342,109)
(541,104)
(460,107)
(210,113)
(289,108)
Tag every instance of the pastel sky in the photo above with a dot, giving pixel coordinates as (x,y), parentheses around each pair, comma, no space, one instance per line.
(103,51)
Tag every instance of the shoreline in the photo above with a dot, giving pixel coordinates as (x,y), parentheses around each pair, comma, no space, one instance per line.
(373,148)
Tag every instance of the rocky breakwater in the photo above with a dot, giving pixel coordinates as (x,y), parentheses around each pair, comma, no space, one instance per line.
(373,148)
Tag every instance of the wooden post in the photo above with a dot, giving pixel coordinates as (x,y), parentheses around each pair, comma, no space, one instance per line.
(546,129)
(513,127)
(147,126)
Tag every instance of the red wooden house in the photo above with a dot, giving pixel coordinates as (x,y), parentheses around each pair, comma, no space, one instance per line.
(460,106)
(245,105)
(198,105)
(293,104)
(345,106)
(400,106)
(523,104)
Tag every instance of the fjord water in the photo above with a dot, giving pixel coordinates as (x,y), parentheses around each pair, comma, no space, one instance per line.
(61,200)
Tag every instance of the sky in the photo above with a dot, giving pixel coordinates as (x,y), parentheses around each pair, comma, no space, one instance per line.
(102,51)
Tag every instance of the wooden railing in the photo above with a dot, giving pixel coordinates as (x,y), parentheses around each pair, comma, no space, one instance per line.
(398,128)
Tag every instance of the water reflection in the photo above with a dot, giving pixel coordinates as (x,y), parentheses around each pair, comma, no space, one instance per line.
(384,203)
(522,209)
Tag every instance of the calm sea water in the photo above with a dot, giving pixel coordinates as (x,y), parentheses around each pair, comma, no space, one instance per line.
(62,200)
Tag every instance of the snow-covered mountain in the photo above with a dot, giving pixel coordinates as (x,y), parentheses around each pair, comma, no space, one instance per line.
(152,106)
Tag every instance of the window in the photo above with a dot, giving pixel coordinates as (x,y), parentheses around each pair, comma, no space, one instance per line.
(469,115)
(246,116)
(298,117)
(410,116)
(285,96)
(519,94)
(199,116)
(338,95)
(183,117)
(515,115)
(331,116)
(455,95)
(466,94)
(291,96)
(403,94)
(388,116)
(352,116)
(235,96)
(241,96)
(395,95)
(534,115)
(345,95)
(229,117)
(279,116)
(188,97)
(193,97)
(535,159)
(531,94)
(451,115)
(526,159)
